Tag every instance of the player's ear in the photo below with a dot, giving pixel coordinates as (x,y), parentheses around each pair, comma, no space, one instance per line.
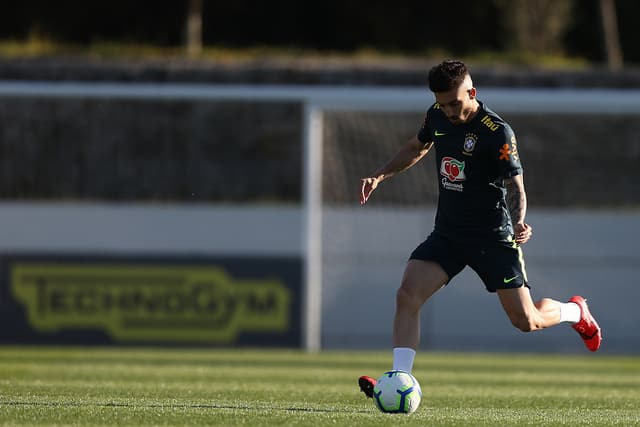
(472,93)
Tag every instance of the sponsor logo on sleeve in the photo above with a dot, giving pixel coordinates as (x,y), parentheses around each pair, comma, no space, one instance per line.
(514,149)
(505,151)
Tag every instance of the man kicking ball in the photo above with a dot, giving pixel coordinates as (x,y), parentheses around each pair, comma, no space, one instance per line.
(480,220)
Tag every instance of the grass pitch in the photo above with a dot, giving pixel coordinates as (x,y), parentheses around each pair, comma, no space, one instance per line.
(144,387)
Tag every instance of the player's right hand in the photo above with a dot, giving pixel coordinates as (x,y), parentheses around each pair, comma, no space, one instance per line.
(522,232)
(368,185)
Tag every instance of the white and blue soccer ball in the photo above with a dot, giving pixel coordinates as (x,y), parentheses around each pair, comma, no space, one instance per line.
(397,392)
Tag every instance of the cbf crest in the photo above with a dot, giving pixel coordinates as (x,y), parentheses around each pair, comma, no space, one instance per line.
(470,140)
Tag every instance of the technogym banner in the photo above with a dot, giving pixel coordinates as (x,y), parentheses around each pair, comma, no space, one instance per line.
(127,300)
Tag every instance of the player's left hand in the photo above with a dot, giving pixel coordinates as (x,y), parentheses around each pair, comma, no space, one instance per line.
(522,232)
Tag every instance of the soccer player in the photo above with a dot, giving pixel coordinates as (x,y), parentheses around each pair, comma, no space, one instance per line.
(480,220)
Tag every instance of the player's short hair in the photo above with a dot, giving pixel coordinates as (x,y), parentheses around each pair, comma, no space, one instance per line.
(447,75)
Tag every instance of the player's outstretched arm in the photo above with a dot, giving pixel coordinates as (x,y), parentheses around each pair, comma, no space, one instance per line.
(409,155)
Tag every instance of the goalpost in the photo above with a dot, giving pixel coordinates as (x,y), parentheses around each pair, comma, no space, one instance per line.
(320,102)
(351,131)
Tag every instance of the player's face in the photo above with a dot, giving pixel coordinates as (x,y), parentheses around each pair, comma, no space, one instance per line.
(459,105)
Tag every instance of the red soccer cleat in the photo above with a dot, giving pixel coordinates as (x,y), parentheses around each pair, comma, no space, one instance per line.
(366,385)
(587,327)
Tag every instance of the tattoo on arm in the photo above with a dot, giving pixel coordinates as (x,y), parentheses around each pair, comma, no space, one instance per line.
(516,198)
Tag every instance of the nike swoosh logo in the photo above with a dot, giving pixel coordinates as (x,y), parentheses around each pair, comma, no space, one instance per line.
(439,133)
(505,280)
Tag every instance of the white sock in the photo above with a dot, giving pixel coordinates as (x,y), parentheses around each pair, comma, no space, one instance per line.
(570,312)
(403,359)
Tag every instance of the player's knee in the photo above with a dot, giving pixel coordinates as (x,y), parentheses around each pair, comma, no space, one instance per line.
(407,298)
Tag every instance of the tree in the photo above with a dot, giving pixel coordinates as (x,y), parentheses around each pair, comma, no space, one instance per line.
(194,28)
(610,35)
(536,26)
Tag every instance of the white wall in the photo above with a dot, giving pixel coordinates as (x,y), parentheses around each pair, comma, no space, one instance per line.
(148,228)
(572,252)
(365,249)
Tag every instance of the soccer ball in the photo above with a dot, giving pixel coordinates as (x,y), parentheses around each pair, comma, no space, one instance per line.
(397,392)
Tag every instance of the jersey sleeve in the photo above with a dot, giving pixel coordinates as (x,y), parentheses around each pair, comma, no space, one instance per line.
(424,133)
(507,154)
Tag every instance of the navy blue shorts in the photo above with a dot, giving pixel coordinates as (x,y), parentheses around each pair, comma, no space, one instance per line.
(500,265)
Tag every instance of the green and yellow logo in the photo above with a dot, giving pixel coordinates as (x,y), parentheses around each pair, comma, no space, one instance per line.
(151,303)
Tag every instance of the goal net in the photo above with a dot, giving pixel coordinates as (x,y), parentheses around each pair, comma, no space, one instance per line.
(364,248)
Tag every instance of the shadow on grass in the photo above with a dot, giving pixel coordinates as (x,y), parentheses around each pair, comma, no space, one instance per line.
(182,406)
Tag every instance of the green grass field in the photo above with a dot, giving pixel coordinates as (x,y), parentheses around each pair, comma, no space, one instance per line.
(144,387)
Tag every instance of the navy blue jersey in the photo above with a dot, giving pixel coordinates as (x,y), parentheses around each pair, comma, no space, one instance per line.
(472,160)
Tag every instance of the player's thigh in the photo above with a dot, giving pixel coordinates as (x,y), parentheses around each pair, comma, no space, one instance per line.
(422,279)
(443,251)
